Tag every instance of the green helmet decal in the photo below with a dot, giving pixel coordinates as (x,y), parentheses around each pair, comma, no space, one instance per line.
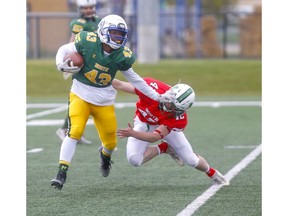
(185,95)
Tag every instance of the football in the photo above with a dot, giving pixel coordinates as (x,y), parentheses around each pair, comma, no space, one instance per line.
(76,59)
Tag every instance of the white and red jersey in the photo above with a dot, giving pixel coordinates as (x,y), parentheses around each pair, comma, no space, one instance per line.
(148,110)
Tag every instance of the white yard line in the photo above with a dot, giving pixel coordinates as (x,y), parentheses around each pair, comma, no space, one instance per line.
(240,147)
(226,103)
(202,199)
(45,105)
(132,104)
(35,150)
(46,112)
(59,107)
(51,122)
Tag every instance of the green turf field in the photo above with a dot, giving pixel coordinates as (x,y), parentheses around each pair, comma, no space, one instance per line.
(207,77)
(223,135)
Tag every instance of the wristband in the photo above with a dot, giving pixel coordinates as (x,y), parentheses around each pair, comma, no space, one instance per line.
(159,132)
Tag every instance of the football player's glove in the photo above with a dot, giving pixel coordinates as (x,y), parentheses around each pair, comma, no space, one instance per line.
(64,67)
(166,97)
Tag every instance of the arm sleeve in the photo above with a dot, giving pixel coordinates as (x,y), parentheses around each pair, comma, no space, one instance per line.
(140,84)
(64,50)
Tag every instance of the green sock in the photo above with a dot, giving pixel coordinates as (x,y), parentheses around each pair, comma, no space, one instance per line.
(105,157)
(63,168)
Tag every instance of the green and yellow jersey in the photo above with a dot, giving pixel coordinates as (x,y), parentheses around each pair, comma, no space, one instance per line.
(100,69)
(84,24)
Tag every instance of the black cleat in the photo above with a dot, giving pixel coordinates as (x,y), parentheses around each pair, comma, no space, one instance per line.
(59,180)
(105,165)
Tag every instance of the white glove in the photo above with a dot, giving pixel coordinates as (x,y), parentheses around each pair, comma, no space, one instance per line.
(168,96)
(64,67)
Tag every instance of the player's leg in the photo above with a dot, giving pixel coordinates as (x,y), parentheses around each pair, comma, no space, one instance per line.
(106,124)
(62,131)
(184,149)
(78,115)
(138,151)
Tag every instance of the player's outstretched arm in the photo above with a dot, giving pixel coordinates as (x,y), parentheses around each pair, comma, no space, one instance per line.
(151,137)
(140,84)
(123,86)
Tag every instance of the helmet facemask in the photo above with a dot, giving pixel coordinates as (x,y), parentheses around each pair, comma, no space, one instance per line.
(116,36)
(171,108)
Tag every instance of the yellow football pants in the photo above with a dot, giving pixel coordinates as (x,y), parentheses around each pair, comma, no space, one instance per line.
(103,116)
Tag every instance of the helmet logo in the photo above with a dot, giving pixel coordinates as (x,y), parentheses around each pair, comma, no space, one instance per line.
(121,25)
(185,95)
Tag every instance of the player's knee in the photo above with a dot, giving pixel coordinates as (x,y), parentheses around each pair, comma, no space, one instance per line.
(76,132)
(193,161)
(135,159)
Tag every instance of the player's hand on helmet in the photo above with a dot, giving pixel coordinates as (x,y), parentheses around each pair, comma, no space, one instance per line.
(64,67)
(168,96)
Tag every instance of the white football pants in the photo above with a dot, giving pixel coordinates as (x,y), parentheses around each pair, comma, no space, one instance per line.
(136,148)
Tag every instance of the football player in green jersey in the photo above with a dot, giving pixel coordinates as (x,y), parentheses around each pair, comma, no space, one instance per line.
(88,21)
(92,94)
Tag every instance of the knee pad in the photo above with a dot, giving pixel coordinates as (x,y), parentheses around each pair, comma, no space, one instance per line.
(135,159)
(193,161)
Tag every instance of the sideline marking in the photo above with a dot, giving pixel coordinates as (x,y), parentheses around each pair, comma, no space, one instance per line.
(199,201)
(35,150)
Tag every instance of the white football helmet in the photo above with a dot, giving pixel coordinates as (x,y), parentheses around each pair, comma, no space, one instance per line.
(89,12)
(107,28)
(177,99)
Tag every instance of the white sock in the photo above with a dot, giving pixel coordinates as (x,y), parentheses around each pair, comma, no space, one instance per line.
(68,149)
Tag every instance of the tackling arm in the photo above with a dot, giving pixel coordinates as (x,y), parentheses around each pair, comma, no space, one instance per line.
(123,86)
(151,137)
